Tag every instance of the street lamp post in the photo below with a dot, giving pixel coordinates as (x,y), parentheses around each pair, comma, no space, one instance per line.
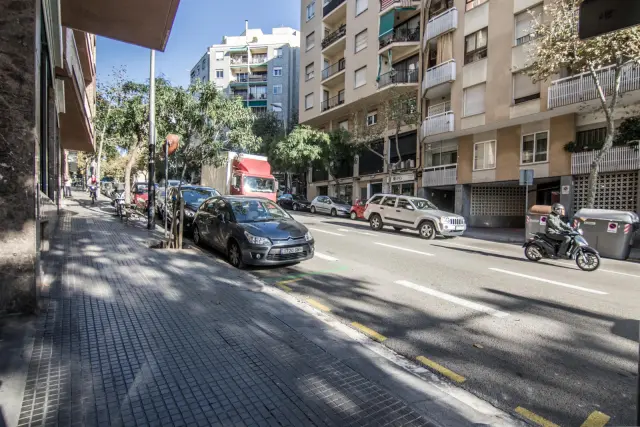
(151,211)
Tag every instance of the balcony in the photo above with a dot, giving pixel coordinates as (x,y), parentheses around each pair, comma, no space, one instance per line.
(437,76)
(442,23)
(333,69)
(333,37)
(402,76)
(239,61)
(403,4)
(258,60)
(254,78)
(439,123)
(400,35)
(580,88)
(440,175)
(617,159)
(440,108)
(332,102)
(330,6)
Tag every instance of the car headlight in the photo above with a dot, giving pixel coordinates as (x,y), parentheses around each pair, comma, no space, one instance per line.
(189,213)
(444,220)
(308,237)
(256,240)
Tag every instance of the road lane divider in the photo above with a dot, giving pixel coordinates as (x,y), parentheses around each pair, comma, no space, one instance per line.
(441,369)
(318,305)
(400,248)
(552,282)
(451,298)
(369,332)
(325,257)
(531,416)
(325,231)
(596,419)
(619,272)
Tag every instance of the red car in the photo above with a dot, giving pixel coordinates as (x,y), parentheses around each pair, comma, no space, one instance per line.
(357,210)
(140,195)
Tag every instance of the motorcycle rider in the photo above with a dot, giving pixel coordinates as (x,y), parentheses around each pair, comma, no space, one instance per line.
(556,229)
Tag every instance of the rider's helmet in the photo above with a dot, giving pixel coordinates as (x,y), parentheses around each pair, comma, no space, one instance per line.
(558,209)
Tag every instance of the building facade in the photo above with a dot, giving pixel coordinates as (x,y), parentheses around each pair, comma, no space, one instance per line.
(483,119)
(48,80)
(261,68)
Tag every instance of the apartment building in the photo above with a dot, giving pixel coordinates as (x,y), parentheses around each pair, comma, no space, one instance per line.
(261,68)
(485,121)
(355,53)
(48,78)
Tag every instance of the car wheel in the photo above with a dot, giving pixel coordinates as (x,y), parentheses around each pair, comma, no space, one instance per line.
(196,235)
(235,255)
(427,230)
(295,206)
(334,212)
(313,209)
(353,215)
(375,222)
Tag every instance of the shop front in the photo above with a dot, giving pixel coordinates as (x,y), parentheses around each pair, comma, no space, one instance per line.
(403,184)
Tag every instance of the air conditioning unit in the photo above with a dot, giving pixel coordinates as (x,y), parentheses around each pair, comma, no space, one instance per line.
(412,163)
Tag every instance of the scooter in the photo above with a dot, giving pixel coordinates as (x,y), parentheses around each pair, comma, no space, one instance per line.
(93,192)
(120,204)
(540,246)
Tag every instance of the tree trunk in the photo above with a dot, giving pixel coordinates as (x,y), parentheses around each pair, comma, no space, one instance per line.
(127,171)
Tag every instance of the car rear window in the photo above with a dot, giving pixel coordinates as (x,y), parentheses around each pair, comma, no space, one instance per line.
(375,200)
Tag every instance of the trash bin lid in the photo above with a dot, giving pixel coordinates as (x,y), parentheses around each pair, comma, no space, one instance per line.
(540,210)
(607,215)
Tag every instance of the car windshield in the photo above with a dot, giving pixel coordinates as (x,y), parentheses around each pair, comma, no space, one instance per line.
(338,201)
(141,188)
(197,196)
(257,211)
(254,184)
(299,197)
(423,204)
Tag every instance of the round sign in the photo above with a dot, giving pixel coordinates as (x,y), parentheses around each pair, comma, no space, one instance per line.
(173,141)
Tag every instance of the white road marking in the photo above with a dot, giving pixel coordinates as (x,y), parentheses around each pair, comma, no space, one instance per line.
(619,272)
(404,249)
(456,300)
(365,233)
(343,229)
(325,257)
(355,231)
(475,248)
(325,231)
(553,282)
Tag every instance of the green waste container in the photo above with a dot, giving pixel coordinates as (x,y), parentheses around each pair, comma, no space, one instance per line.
(610,232)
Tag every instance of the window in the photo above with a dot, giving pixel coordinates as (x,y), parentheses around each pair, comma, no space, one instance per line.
(277,53)
(473,3)
(389,201)
(372,118)
(308,72)
(219,74)
(219,55)
(277,71)
(311,12)
(277,89)
(524,21)
(524,89)
(375,200)
(361,6)
(344,125)
(484,155)
(308,101)
(475,46)
(404,204)
(474,100)
(310,40)
(361,41)
(590,139)
(360,77)
(534,148)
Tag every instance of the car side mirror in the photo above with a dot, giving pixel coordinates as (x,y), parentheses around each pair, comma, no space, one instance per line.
(409,207)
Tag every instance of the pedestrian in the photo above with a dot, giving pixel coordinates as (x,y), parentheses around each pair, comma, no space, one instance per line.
(67,186)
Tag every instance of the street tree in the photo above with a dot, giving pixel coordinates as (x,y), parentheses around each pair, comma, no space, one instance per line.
(368,135)
(557,46)
(301,147)
(339,153)
(401,110)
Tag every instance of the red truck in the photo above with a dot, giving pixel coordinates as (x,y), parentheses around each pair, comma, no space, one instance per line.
(241,174)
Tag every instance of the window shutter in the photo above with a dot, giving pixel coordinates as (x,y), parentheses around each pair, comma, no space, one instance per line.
(361,77)
(361,40)
(523,86)
(474,100)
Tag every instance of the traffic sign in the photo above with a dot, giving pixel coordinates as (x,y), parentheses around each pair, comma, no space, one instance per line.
(526,176)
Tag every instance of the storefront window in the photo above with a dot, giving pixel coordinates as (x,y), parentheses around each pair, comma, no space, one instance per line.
(406,189)
(345,193)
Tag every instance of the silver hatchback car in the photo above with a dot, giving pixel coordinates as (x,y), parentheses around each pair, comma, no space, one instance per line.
(413,213)
(330,205)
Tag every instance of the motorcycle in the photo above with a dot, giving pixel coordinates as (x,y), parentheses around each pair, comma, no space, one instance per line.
(540,246)
(93,192)
(119,202)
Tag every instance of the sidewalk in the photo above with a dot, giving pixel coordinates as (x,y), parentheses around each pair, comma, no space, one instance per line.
(136,336)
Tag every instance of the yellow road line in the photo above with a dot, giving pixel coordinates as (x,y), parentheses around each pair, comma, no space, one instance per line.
(283,287)
(373,334)
(318,305)
(444,371)
(285,282)
(535,418)
(596,419)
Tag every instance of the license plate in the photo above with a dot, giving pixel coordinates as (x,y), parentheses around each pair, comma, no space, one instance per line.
(459,227)
(294,250)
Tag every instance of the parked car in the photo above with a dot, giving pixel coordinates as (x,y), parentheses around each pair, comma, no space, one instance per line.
(295,202)
(252,230)
(330,205)
(140,195)
(193,195)
(357,210)
(160,192)
(413,213)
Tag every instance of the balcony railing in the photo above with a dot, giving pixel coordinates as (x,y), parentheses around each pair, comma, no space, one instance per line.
(332,102)
(402,34)
(251,96)
(398,77)
(617,159)
(580,88)
(440,175)
(385,4)
(441,73)
(440,108)
(334,36)
(330,6)
(474,3)
(332,69)
(440,24)
(239,60)
(259,59)
(258,78)
(440,123)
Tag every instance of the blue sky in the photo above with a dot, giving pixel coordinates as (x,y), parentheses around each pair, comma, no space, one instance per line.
(198,24)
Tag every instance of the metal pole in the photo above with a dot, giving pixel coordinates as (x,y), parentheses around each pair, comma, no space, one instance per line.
(151,210)
(526,207)
(166,182)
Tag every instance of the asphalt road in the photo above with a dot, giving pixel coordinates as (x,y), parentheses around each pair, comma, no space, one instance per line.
(557,345)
